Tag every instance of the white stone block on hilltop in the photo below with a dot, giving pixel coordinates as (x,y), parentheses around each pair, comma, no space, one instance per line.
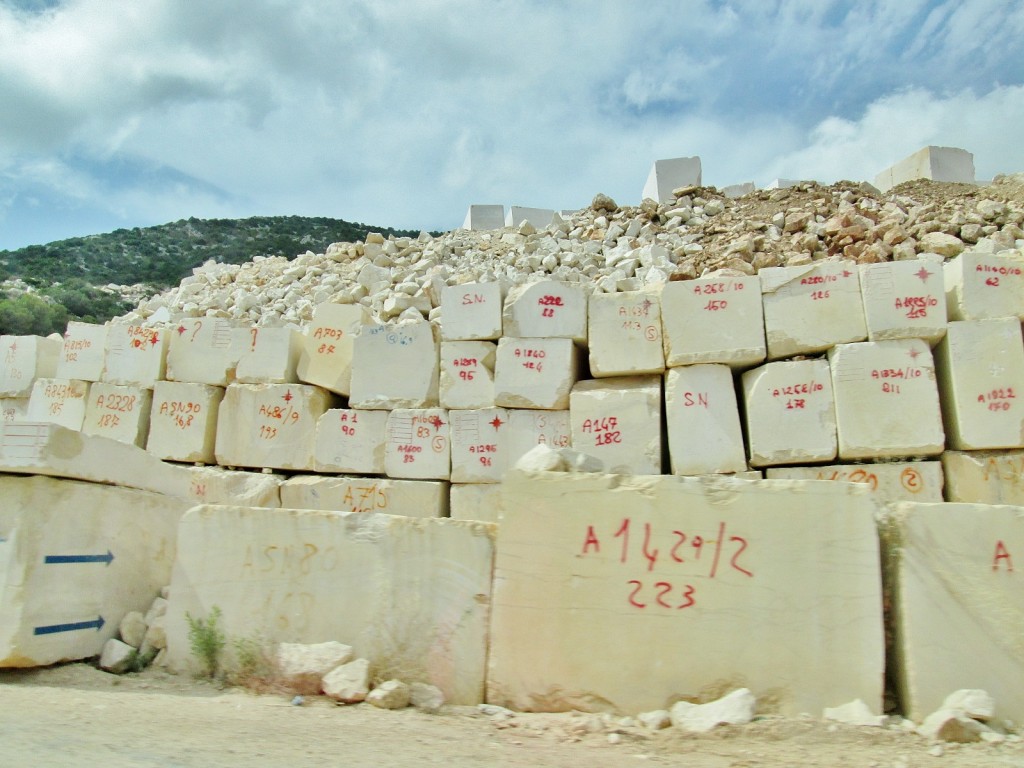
(810,308)
(667,175)
(82,352)
(120,413)
(269,356)
(349,440)
(985,285)
(270,425)
(739,190)
(546,309)
(418,444)
(624,334)
(475,501)
(409,498)
(328,347)
(618,421)
(790,413)
(540,218)
(889,482)
(530,428)
(957,604)
(479,451)
(703,422)
(59,401)
(935,163)
(480,217)
(887,399)
(904,300)
(467,374)
(23,359)
(471,311)
(713,320)
(395,365)
(136,355)
(408,594)
(74,559)
(535,373)
(985,477)
(784,183)
(980,365)
(690,567)
(183,421)
(204,350)
(13,409)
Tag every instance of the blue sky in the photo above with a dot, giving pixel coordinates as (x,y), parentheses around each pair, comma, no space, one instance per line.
(403,113)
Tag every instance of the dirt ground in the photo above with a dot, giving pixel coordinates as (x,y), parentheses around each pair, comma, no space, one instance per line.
(76,715)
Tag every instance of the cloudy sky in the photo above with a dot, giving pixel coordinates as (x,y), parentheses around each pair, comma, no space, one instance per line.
(122,113)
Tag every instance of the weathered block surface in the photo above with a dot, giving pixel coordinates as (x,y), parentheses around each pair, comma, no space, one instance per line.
(904,300)
(529,428)
(548,309)
(183,424)
(471,311)
(985,477)
(348,440)
(120,413)
(889,482)
(410,595)
(135,356)
(475,501)
(409,498)
(23,359)
(328,347)
(618,421)
(82,352)
(13,409)
(985,285)
(672,577)
(624,334)
(535,373)
(205,350)
(418,444)
(713,320)
(703,422)
(395,365)
(479,448)
(269,356)
(59,401)
(467,374)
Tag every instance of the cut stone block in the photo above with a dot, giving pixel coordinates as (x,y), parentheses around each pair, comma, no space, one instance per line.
(418,444)
(484,217)
(980,366)
(887,400)
(205,350)
(790,413)
(957,604)
(935,163)
(889,482)
(23,359)
(713,320)
(82,352)
(13,409)
(120,413)
(904,300)
(546,309)
(733,191)
(409,498)
(395,365)
(985,285)
(703,422)
(540,218)
(183,421)
(529,428)
(270,425)
(59,401)
(136,356)
(74,559)
(535,373)
(624,334)
(475,501)
(471,311)
(467,374)
(689,567)
(671,174)
(618,421)
(411,596)
(269,356)
(479,451)
(810,308)
(986,477)
(348,440)
(328,348)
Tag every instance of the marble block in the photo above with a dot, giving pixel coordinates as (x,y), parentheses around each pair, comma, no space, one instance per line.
(668,175)
(136,355)
(23,359)
(409,498)
(547,309)
(418,444)
(13,409)
(480,217)
(475,501)
(59,401)
(327,350)
(529,428)
(120,413)
(985,285)
(183,421)
(395,365)
(479,452)
(703,422)
(624,334)
(904,300)
(713,320)
(618,421)
(82,352)
(535,373)
(985,477)
(348,440)
(467,374)
(471,311)
(204,350)
(269,356)
(889,482)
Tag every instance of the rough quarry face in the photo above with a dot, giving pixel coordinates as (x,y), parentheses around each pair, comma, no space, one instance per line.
(984,477)
(672,578)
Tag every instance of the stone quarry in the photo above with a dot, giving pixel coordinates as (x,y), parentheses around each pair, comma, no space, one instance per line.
(618,459)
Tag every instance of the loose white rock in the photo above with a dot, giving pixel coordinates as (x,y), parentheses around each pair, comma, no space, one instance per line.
(302,666)
(349,683)
(392,694)
(736,708)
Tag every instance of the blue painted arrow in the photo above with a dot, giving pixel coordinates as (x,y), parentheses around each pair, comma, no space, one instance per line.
(52,559)
(53,629)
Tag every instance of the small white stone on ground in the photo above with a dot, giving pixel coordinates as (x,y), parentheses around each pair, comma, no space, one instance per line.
(117,657)
(391,694)
(854,712)
(736,708)
(426,697)
(655,720)
(349,683)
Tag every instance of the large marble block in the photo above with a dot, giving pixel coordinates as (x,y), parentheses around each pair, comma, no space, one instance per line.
(479,448)
(59,401)
(418,444)
(535,373)
(937,163)
(23,359)
(269,356)
(82,352)
(547,309)
(790,413)
(475,501)
(480,217)
(985,285)
(618,421)
(702,420)
(529,428)
(205,350)
(904,300)
(984,477)
(467,374)
(409,498)
(980,365)
(889,482)
(713,320)
(957,604)
(624,334)
(120,413)
(690,585)
(410,595)
(348,440)
(74,559)
(668,175)
(540,218)
(887,400)
(183,421)
(395,365)
(810,308)
(471,311)
(328,347)
(136,355)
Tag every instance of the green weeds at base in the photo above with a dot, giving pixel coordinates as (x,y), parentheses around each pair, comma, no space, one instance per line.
(207,641)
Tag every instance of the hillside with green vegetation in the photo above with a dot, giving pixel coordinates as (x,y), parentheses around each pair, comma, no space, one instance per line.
(67,279)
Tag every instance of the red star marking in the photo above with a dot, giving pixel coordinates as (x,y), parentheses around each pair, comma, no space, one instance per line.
(154,339)
(847,273)
(288,396)
(646,304)
(914,353)
(497,422)
(180,329)
(14,347)
(923,273)
(436,421)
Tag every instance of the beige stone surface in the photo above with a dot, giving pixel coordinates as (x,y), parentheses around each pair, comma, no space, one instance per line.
(82,352)
(412,596)
(471,311)
(530,428)
(713,320)
(479,448)
(59,401)
(120,413)
(205,350)
(467,374)
(980,366)
(183,421)
(409,498)
(269,355)
(535,373)
(418,444)
(624,334)
(23,359)
(61,610)
(13,409)
(958,606)
(350,440)
(984,477)
(395,365)
(672,578)
(618,421)
(475,501)
(889,482)
(904,299)
(328,347)
(702,421)
(548,309)
(985,285)
(887,400)
(136,355)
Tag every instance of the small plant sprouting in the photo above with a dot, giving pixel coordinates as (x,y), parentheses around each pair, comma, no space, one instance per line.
(207,640)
